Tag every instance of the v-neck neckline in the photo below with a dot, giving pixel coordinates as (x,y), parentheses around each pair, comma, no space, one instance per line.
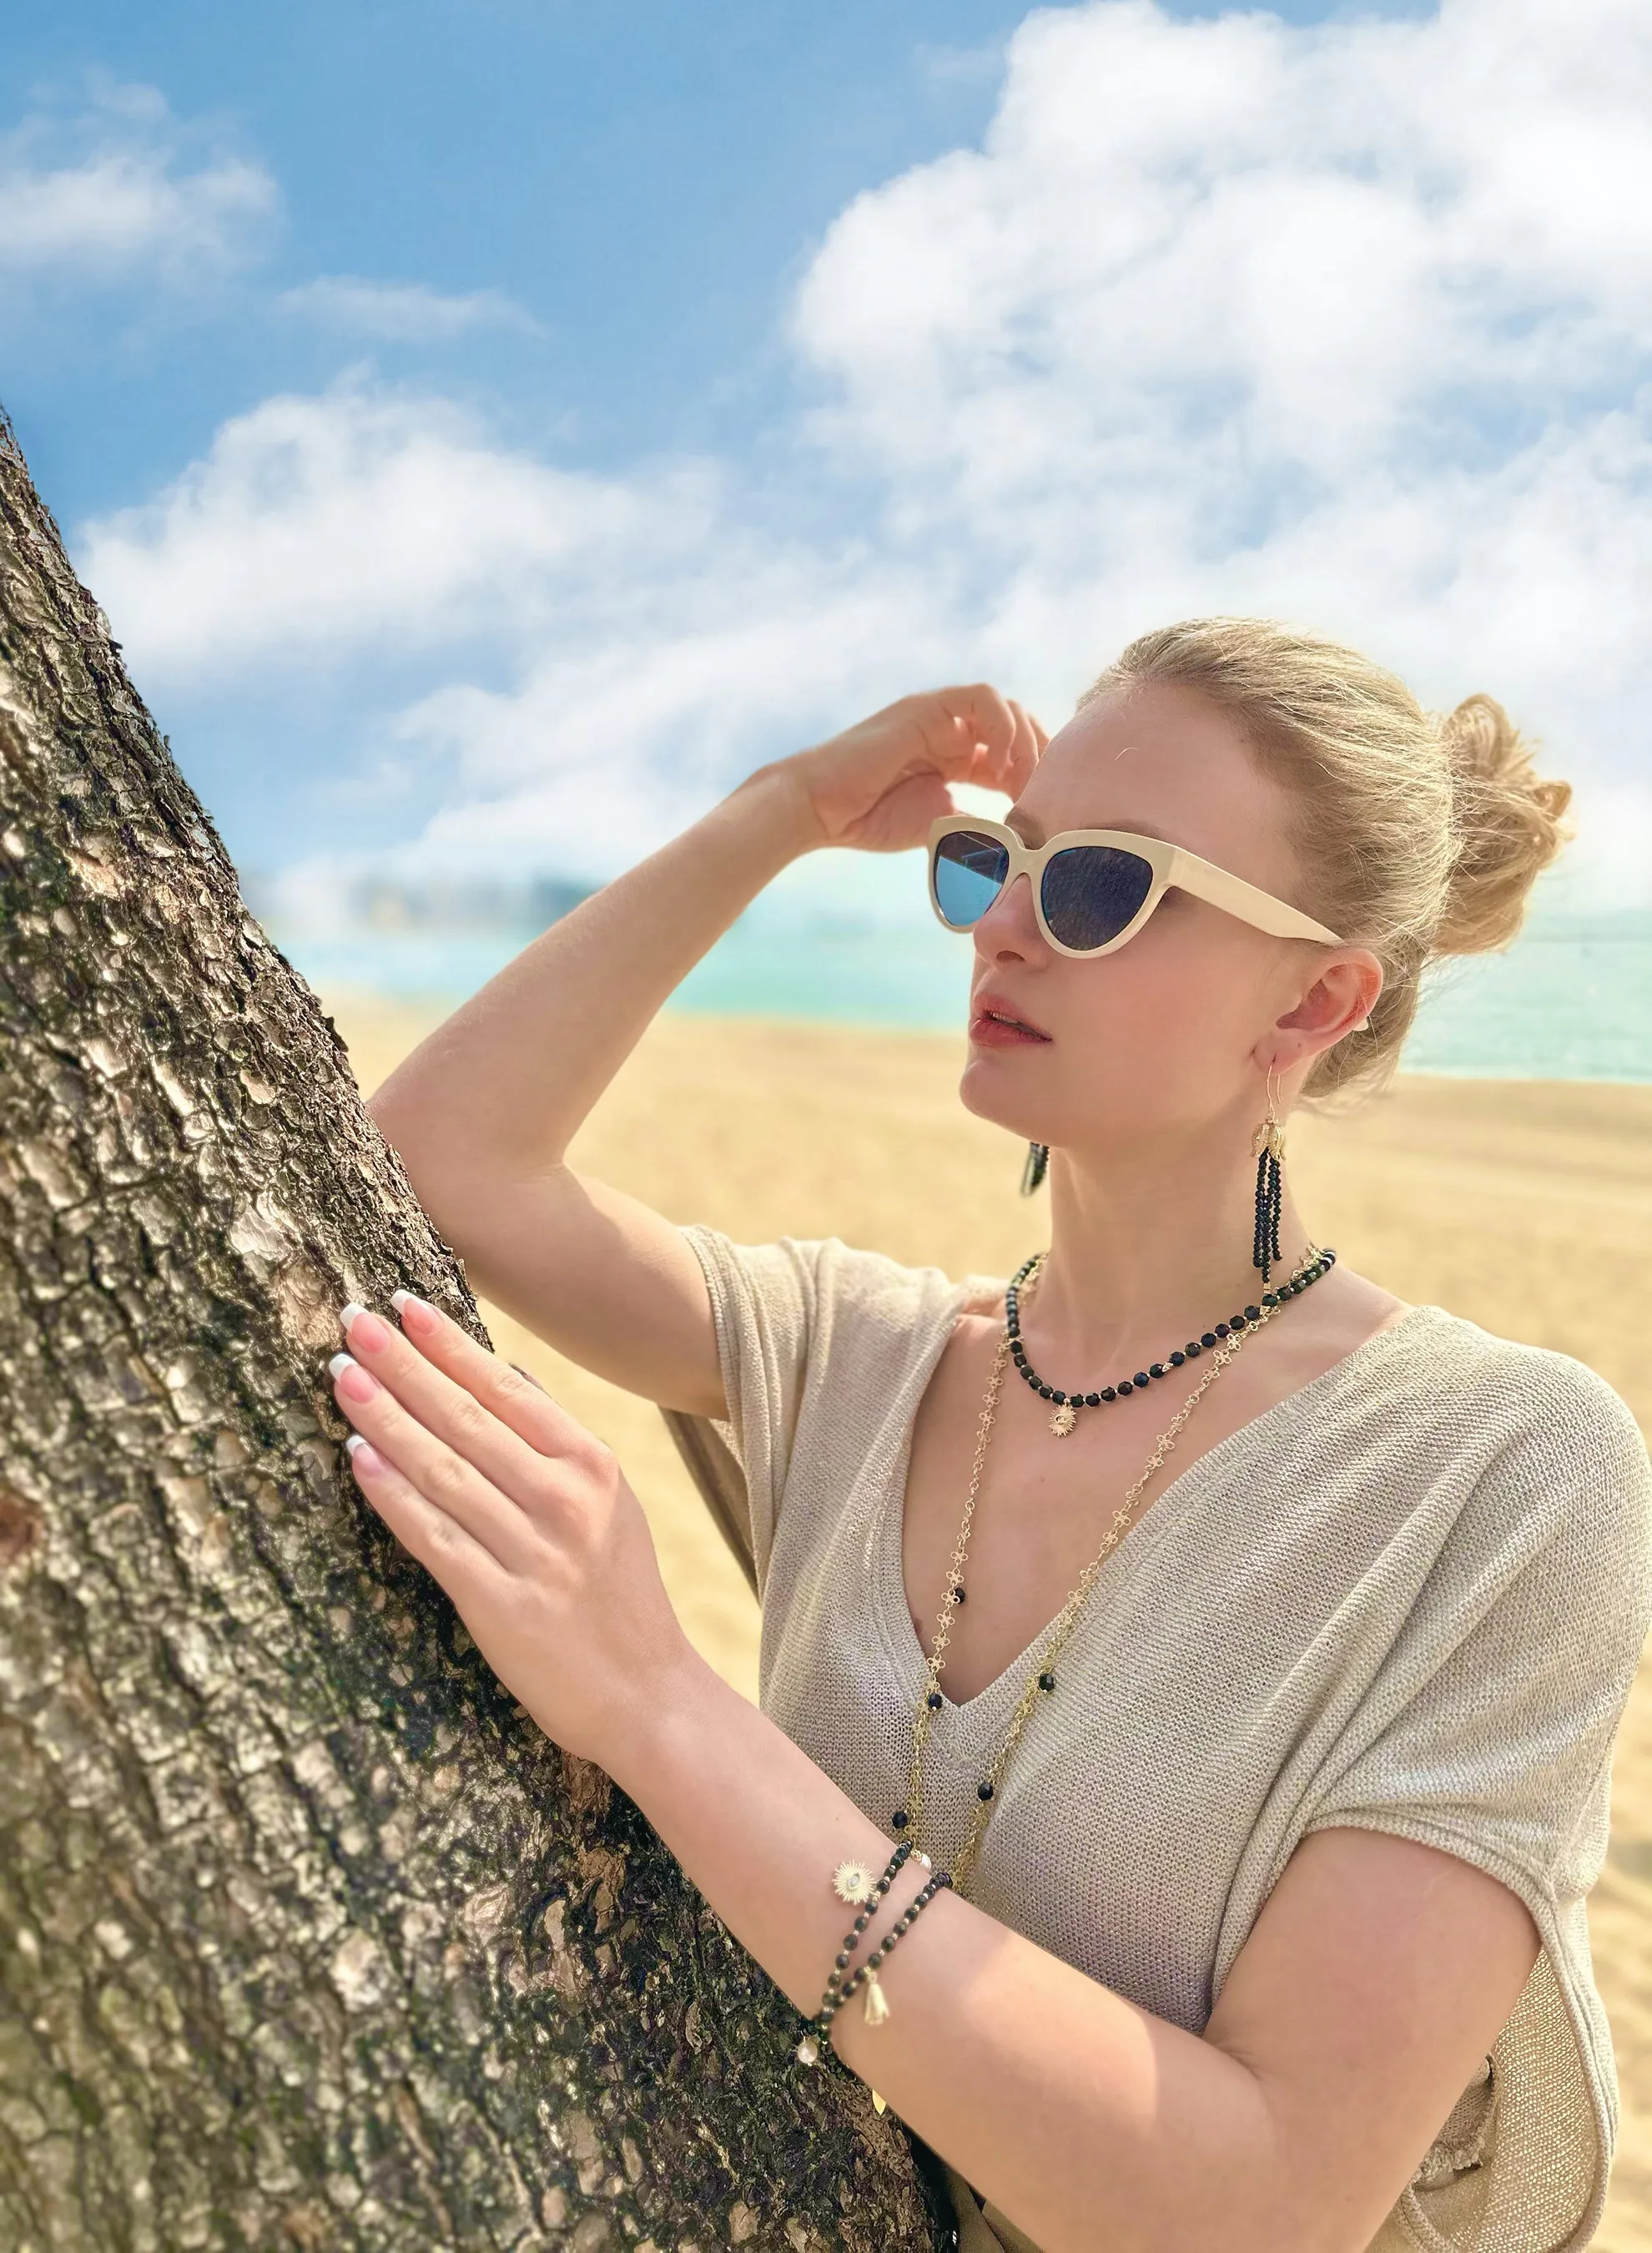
(908,1654)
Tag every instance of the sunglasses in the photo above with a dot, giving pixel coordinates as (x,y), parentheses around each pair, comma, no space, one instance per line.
(1093,889)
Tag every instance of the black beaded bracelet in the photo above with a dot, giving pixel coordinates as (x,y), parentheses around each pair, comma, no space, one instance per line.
(809,2048)
(876,2009)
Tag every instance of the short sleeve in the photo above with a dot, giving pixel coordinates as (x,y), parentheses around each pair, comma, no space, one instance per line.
(814,1339)
(763,1304)
(1489,1731)
(1488,1734)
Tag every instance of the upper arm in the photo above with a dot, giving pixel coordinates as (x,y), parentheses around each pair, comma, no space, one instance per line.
(599,1276)
(1372,1985)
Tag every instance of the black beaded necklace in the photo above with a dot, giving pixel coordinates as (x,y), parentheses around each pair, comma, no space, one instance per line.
(1065,1406)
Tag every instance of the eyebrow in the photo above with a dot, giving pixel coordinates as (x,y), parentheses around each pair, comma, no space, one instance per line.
(1029,832)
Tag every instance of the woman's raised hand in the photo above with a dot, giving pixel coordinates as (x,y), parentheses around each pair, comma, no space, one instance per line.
(881,783)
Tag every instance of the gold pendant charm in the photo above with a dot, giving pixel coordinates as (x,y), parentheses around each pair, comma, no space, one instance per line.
(878,2103)
(1063,1420)
(853,1881)
(877,2008)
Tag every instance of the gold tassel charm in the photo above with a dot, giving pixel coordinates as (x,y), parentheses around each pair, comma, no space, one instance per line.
(1268,1141)
(877,2007)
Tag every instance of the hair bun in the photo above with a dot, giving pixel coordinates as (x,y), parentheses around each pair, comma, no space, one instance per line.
(1508,823)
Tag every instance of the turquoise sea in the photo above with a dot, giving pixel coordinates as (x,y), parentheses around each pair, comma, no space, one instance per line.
(1571,999)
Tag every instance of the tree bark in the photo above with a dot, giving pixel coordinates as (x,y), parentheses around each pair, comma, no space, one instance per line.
(308,1937)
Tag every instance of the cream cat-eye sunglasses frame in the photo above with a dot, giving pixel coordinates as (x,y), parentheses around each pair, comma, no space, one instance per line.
(1172,865)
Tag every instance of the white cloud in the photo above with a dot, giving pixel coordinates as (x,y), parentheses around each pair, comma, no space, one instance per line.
(1352,323)
(116,195)
(401,313)
(658,644)
(318,524)
(1241,246)
(614,742)
(1349,323)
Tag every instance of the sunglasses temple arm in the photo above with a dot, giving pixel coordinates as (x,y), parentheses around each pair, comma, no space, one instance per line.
(1252,905)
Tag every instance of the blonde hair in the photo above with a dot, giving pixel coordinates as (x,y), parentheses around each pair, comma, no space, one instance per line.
(1420,834)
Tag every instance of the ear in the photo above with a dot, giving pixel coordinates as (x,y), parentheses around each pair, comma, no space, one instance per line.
(1337,1003)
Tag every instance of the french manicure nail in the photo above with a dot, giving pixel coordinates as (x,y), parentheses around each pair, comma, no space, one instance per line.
(339,1363)
(354,1441)
(369,1334)
(406,1303)
(347,1314)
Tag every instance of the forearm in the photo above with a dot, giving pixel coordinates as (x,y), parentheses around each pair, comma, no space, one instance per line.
(510,1076)
(1093,2122)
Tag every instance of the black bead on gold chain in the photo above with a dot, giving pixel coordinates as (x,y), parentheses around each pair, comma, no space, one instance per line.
(1071,1402)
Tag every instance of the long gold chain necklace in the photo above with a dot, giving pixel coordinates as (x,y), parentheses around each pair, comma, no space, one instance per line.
(908,1821)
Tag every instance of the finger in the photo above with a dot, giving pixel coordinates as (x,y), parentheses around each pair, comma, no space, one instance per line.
(507,1392)
(489,1514)
(446,1407)
(994,724)
(441,1544)
(960,726)
(1026,750)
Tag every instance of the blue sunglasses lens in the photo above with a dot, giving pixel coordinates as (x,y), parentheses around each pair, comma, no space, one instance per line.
(970,871)
(1092,892)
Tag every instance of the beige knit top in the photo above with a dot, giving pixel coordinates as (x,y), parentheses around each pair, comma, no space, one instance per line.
(1409,1597)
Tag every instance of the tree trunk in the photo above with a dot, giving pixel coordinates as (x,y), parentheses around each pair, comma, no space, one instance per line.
(308,1937)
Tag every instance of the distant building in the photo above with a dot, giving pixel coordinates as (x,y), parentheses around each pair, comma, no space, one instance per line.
(522,906)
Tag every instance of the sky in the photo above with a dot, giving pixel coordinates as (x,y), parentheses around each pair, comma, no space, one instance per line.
(494,427)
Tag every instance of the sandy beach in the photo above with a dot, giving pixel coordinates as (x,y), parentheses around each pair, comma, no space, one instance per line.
(1525,1206)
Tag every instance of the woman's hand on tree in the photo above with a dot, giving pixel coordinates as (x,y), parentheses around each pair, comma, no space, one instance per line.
(522,1515)
(881,783)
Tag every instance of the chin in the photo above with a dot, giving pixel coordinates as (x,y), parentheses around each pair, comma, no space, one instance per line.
(990,1092)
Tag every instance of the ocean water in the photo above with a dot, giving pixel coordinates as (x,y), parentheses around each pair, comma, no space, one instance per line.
(1571,999)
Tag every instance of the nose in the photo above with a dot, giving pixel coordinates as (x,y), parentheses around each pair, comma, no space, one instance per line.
(1008,931)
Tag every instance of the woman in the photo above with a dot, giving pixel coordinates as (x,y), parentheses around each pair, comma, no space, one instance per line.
(1267,1743)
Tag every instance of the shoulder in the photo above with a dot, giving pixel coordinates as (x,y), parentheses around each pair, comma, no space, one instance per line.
(1560,1457)
(1524,1392)
(829,1285)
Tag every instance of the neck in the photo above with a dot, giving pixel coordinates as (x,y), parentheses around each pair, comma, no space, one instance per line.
(1147,1252)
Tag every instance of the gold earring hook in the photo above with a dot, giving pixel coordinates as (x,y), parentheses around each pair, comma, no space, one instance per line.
(1270,1135)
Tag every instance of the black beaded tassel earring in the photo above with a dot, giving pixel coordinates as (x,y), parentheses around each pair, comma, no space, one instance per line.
(1037,1167)
(1269,1145)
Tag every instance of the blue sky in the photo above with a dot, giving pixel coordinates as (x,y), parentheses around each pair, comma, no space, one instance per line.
(644,179)
(493,427)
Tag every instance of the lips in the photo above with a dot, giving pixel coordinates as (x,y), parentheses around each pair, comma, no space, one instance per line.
(998,1023)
